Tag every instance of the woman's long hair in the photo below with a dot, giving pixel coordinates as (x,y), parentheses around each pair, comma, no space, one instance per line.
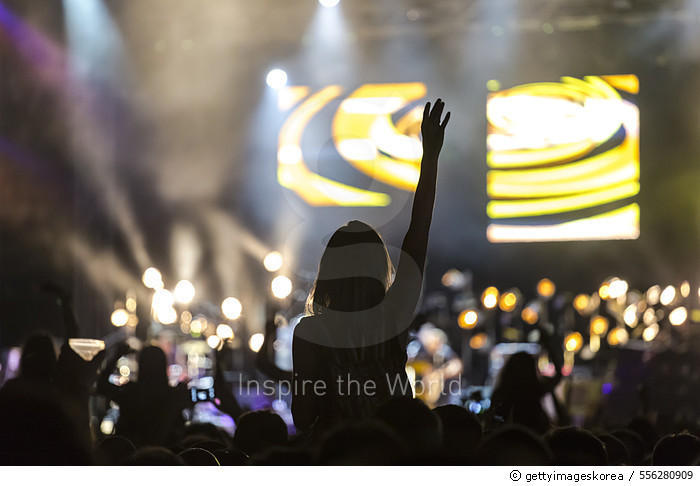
(354,273)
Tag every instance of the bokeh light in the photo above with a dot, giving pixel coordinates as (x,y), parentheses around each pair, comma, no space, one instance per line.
(184,292)
(650,332)
(163,298)
(273,261)
(685,288)
(454,279)
(152,278)
(530,315)
(599,325)
(256,341)
(120,317)
(678,316)
(507,302)
(281,287)
(630,315)
(573,342)
(213,341)
(653,295)
(581,302)
(668,295)
(468,319)
(546,288)
(276,79)
(617,288)
(489,298)
(224,331)
(618,336)
(478,341)
(166,315)
(232,308)
(198,325)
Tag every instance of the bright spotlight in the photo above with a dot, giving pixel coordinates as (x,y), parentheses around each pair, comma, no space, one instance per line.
(224,331)
(276,79)
(232,308)
(581,302)
(281,287)
(653,295)
(273,261)
(685,288)
(650,332)
(489,298)
(184,292)
(213,341)
(256,342)
(478,341)
(617,288)
(329,3)
(507,302)
(468,319)
(573,342)
(618,337)
(166,315)
(630,315)
(678,316)
(530,315)
(152,278)
(668,295)
(162,299)
(120,317)
(546,288)
(198,325)
(599,325)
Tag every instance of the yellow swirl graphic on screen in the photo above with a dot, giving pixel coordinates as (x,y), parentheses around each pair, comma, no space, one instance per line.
(364,135)
(557,151)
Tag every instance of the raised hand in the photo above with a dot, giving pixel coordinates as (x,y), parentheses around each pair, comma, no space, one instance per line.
(432,129)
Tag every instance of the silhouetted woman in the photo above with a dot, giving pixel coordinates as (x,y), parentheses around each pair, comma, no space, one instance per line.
(517,397)
(150,410)
(349,353)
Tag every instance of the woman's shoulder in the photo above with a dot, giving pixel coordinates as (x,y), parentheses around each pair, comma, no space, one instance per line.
(307,327)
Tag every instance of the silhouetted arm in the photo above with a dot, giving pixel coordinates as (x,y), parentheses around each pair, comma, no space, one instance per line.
(549,383)
(405,291)
(64,300)
(227,402)
(556,356)
(104,387)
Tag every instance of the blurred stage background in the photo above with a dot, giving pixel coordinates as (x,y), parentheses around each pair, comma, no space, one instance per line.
(148,134)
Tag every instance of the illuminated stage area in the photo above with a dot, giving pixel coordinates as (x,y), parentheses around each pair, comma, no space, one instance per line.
(175,170)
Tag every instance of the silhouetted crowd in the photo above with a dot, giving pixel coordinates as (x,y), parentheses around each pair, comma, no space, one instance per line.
(45,420)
